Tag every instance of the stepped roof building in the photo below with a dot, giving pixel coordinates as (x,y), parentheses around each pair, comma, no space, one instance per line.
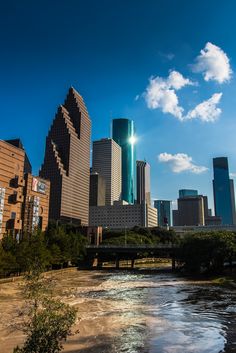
(67,161)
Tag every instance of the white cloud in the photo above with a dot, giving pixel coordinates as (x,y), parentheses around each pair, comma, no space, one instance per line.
(213,63)
(160,93)
(181,162)
(232,175)
(168,56)
(177,81)
(206,111)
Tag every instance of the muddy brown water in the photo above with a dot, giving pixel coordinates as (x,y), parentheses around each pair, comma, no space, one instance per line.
(131,312)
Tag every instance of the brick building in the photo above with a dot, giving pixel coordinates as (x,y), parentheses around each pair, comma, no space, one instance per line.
(15,183)
(36,203)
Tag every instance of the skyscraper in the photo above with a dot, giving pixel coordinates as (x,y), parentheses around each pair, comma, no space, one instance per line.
(123,133)
(143,182)
(190,211)
(97,190)
(67,159)
(187,192)
(107,163)
(223,189)
(163,212)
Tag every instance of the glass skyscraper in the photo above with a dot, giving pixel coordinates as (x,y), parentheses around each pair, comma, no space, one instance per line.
(163,212)
(187,192)
(223,189)
(123,133)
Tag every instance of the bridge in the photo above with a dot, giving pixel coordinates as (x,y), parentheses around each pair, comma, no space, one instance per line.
(106,253)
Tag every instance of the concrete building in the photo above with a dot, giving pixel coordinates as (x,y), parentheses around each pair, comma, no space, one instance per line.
(106,162)
(123,132)
(223,189)
(16,192)
(190,211)
(143,182)
(213,221)
(163,212)
(67,161)
(36,203)
(97,190)
(122,215)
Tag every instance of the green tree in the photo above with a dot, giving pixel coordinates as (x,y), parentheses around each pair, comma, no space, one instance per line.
(48,321)
(207,251)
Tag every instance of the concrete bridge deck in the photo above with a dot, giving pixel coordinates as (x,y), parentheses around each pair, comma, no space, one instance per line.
(106,253)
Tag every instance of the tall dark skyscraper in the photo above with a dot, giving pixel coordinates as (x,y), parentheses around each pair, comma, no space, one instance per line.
(223,189)
(123,133)
(67,160)
(97,191)
(143,182)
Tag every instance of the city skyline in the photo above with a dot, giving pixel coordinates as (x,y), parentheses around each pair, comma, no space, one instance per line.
(112,66)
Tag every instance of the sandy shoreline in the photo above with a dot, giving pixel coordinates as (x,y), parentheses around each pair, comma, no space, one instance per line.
(71,287)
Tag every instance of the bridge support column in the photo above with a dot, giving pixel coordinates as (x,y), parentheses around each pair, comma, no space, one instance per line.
(99,264)
(132,263)
(117,264)
(173,263)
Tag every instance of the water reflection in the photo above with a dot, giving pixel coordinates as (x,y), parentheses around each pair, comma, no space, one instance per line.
(158,313)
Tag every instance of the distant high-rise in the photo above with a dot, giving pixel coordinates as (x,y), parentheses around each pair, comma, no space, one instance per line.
(190,211)
(67,159)
(143,182)
(97,191)
(223,189)
(123,133)
(187,192)
(107,163)
(163,212)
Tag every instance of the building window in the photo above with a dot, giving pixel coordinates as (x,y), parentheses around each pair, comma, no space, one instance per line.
(13,215)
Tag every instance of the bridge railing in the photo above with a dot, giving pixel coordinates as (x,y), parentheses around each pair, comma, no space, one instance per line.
(133,246)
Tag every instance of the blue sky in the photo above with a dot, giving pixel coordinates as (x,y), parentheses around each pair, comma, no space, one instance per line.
(109,50)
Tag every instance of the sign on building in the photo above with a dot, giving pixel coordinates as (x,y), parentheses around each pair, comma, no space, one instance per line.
(2,197)
(38,186)
(35,218)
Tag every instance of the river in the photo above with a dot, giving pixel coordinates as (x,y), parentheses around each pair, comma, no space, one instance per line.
(157,313)
(146,312)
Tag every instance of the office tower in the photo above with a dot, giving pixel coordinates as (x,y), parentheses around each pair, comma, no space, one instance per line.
(187,192)
(67,159)
(190,211)
(97,190)
(206,210)
(223,189)
(163,212)
(143,182)
(123,133)
(106,162)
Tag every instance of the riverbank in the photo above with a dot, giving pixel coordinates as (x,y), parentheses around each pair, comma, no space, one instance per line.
(131,311)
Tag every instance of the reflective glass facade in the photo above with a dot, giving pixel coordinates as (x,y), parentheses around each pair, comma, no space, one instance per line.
(223,191)
(187,192)
(124,134)
(163,212)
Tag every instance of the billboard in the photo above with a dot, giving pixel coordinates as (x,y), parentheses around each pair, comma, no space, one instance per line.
(38,186)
